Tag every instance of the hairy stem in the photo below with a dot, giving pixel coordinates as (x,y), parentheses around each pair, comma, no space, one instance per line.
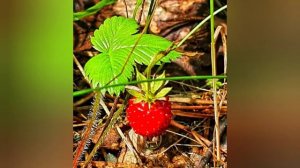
(88,129)
(111,120)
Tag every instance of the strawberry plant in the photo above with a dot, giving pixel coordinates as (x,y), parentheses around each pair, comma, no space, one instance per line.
(121,48)
(115,39)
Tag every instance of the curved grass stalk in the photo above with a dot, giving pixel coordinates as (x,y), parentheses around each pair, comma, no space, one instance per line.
(199,25)
(214,82)
(92,10)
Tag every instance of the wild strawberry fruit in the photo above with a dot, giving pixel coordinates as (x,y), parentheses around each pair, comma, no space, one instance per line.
(147,115)
(149,122)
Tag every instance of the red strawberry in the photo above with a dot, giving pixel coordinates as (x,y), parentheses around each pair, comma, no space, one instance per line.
(147,115)
(149,122)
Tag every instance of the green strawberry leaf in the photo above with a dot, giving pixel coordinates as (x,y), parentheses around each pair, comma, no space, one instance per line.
(209,83)
(102,68)
(112,32)
(163,92)
(115,39)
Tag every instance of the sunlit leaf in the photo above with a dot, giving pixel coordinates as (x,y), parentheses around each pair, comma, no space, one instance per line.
(115,39)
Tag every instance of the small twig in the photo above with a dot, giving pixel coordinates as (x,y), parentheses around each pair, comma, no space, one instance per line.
(180,126)
(189,145)
(192,100)
(142,11)
(208,154)
(175,123)
(199,107)
(106,127)
(120,131)
(111,164)
(79,125)
(192,115)
(195,87)
(200,139)
(204,142)
(81,69)
(194,133)
(82,108)
(182,136)
(83,100)
(124,1)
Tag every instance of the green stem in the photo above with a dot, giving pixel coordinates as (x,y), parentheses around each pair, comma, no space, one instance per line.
(88,129)
(137,5)
(86,91)
(198,26)
(111,120)
(92,10)
(154,60)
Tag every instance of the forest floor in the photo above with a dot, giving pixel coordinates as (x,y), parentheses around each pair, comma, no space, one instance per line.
(189,141)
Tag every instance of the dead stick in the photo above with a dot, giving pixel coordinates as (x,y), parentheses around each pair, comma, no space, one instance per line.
(194,115)
(208,153)
(83,100)
(192,100)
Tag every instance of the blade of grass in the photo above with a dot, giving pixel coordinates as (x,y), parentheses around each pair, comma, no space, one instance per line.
(137,6)
(92,10)
(86,91)
(198,26)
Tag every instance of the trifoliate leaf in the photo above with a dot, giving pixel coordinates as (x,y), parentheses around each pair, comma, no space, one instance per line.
(163,92)
(115,38)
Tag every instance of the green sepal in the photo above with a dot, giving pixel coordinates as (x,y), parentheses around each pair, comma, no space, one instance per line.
(143,85)
(163,92)
(156,85)
(139,99)
(135,93)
